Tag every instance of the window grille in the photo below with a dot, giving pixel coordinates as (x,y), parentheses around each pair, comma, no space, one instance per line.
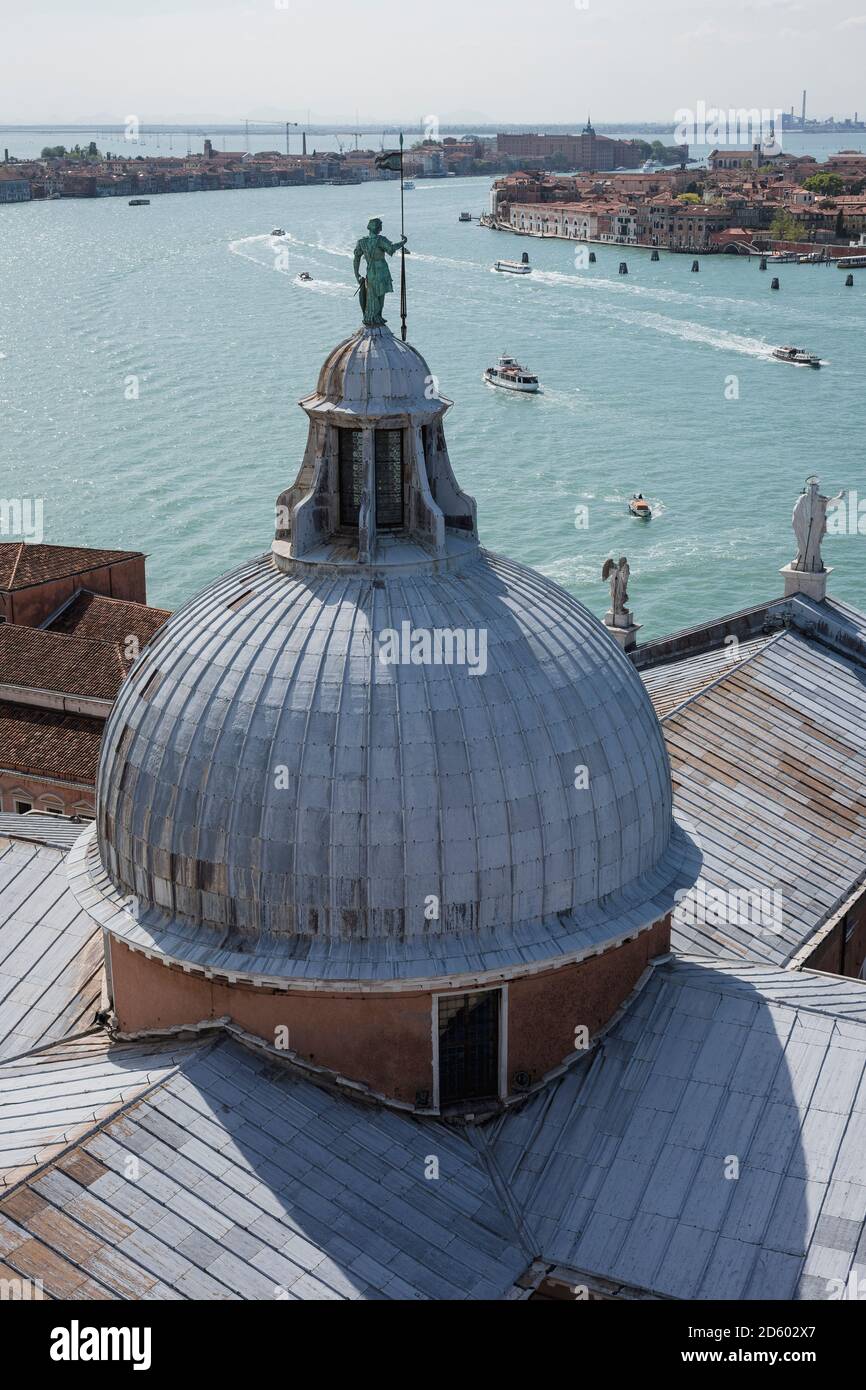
(351,476)
(389,478)
(469,1046)
(388,446)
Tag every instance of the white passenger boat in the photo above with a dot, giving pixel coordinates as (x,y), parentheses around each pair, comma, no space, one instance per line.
(798,356)
(521,267)
(509,375)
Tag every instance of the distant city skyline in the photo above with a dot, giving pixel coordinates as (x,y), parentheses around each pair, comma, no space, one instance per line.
(496,61)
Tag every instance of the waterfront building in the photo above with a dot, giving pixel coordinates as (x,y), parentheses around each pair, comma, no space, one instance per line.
(13,189)
(578,221)
(423,980)
(584,151)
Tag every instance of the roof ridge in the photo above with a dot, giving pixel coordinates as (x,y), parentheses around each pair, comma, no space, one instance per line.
(57,1042)
(711,962)
(526,1237)
(735,667)
(120,1109)
(15,564)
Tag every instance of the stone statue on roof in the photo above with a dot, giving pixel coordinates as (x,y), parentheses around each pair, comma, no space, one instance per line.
(377,282)
(810,526)
(617,572)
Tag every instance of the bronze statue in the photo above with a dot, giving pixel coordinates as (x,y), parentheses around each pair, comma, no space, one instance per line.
(377,283)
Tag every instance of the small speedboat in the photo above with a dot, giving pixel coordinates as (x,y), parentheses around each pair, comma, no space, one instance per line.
(798,356)
(278,231)
(521,267)
(305,276)
(639,507)
(465,217)
(509,374)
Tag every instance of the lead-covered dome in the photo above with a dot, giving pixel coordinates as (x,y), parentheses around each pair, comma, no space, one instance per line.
(380,751)
(265,773)
(374,373)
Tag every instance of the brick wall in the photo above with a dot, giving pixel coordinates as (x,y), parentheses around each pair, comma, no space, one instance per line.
(386,1040)
(31,606)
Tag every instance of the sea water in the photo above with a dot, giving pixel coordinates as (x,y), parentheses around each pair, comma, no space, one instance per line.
(151,361)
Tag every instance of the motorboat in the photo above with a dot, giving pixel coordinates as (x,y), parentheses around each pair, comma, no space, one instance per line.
(139,202)
(798,356)
(465,217)
(640,507)
(511,376)
(278,231)
(409,185)
(305,276)
(521,267)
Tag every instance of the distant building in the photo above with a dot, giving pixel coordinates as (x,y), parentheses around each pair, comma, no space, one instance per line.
(14,189)
(584,151)
(742,158)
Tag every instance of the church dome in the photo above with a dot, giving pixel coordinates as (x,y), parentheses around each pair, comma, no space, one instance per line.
(374,373)
(380,752)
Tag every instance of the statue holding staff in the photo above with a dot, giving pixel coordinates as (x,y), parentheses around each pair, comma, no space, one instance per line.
(377,282)
(810,526)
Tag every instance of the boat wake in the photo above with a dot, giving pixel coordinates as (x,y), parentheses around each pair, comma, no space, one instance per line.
(628,285)
(691,332)
(686,329)
(563,400)
(265,252)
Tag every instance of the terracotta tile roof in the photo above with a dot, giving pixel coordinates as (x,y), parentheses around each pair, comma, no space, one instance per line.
(108,619)
(22,564)
(52,661)
(46,743)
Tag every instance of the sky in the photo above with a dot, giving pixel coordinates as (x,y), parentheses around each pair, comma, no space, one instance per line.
(460,61)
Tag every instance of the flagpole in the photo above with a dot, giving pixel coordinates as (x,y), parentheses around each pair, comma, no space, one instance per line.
(402,250)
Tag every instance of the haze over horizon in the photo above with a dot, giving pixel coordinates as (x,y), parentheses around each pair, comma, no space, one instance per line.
(498,61)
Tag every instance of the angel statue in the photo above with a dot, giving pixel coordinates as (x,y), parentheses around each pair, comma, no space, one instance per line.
(377,282)
(810,526)
(617,572)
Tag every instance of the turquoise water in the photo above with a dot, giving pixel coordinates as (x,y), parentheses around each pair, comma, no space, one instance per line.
(187,296)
